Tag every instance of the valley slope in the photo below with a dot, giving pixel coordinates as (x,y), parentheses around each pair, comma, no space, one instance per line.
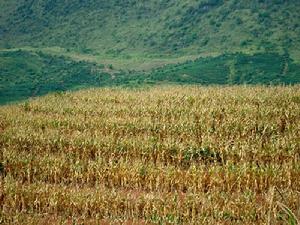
(253,42)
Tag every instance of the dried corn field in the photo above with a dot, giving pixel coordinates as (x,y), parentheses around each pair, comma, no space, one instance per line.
(164,155)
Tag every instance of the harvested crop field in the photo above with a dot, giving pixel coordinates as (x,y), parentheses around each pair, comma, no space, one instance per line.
(162,155)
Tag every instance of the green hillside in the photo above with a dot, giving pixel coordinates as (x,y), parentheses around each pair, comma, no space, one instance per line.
(152,27)
(51,45)
(25,74)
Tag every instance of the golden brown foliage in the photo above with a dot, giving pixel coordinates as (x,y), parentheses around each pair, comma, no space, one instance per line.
(164,155)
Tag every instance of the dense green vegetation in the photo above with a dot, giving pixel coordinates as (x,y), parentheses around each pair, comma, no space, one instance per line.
(158,26)
(56,45)
(261,68)
(26,74)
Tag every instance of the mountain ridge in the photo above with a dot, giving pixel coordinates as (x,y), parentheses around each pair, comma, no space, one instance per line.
(58,45)
(152,27)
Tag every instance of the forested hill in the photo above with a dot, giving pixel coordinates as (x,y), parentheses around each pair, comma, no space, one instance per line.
(55,45)
(152,26)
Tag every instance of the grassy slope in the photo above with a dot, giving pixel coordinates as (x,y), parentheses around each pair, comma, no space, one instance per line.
(260,68)
(26,74)
(170,155)
(206,42)
(138,28)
